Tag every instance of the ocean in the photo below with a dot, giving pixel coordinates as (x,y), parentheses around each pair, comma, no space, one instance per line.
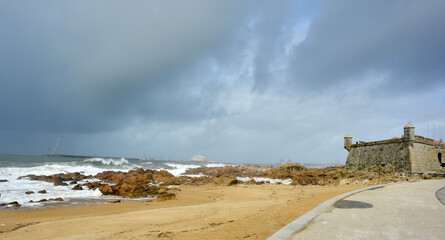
(14,166)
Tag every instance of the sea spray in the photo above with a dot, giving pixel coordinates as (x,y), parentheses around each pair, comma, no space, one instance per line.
(14,166)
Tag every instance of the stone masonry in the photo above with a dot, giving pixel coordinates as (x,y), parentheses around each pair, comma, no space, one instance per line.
(411,153)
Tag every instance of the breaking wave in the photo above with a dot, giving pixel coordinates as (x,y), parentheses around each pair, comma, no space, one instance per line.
(107,161)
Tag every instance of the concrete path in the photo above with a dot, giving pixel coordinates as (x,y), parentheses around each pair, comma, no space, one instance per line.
(411,210)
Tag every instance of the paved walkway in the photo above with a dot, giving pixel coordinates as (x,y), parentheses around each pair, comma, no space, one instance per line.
(411,210)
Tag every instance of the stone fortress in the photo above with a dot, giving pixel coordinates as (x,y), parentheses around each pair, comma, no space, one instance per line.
(410,153)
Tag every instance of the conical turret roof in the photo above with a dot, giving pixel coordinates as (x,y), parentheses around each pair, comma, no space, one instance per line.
(409,125)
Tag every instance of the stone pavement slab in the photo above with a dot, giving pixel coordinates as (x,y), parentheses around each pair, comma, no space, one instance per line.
(408,210)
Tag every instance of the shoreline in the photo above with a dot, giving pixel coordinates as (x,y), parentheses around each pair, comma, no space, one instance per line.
(229,212)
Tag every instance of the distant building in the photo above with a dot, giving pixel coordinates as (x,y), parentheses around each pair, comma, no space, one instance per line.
(410,153)
(199,158)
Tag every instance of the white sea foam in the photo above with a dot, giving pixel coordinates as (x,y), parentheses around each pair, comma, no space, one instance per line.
(215,165)
(108,161)
(194,175)
(179,169)
(14,189)
(260,179)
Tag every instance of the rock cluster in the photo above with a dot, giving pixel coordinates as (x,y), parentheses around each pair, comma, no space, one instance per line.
(301,175)
(152,183)
(132,184)
(230,171)
(57,179)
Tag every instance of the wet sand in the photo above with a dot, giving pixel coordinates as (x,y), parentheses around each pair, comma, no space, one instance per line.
(200,212)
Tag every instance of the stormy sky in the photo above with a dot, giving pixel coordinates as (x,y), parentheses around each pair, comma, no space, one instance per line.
(235,81)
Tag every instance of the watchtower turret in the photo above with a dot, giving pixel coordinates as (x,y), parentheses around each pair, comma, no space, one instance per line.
(348,140)
(408,132)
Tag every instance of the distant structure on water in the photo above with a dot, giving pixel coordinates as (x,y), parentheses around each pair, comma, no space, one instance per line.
(410,153)
(199,158)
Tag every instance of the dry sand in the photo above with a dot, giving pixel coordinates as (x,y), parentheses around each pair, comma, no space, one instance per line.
(200,212)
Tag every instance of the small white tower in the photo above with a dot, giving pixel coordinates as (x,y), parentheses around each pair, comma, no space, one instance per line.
(348,140)
(408,132)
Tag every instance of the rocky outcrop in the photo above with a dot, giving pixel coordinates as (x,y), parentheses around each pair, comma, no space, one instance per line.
(229,171)
(11,204)
(132,184)
(124,189)
(59,199)
(285,171)
(57,179)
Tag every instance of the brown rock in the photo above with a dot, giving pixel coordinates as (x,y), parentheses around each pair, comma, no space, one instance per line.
(59,199)
(14,204)
(106,190)
(233,182)
(42,191)
(77,187)
(58,181)
(29,192)
(92,185)
(164,196)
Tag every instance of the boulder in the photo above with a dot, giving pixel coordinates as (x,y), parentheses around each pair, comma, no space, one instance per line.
(58,181)
(42,191)
(92,185)
(14,204)
(77,187)
(233,182)
(344,182)
(106,190)
(29,192)
(3,180)
(164,196)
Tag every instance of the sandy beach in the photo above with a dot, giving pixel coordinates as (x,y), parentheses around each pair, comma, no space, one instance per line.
(200,212)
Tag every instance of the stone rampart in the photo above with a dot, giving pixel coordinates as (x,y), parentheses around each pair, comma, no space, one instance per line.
(393,151)
(424,157)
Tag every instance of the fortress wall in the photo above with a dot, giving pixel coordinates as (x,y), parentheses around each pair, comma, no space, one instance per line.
(424,157)
(383,152)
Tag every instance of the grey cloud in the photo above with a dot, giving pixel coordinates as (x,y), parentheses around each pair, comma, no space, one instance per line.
(68,67)
(348,39)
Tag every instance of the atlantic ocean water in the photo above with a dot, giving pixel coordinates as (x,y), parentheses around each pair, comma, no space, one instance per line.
(12,167)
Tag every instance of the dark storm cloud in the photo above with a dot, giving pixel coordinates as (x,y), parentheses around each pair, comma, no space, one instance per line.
(77,67)
(349,39)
